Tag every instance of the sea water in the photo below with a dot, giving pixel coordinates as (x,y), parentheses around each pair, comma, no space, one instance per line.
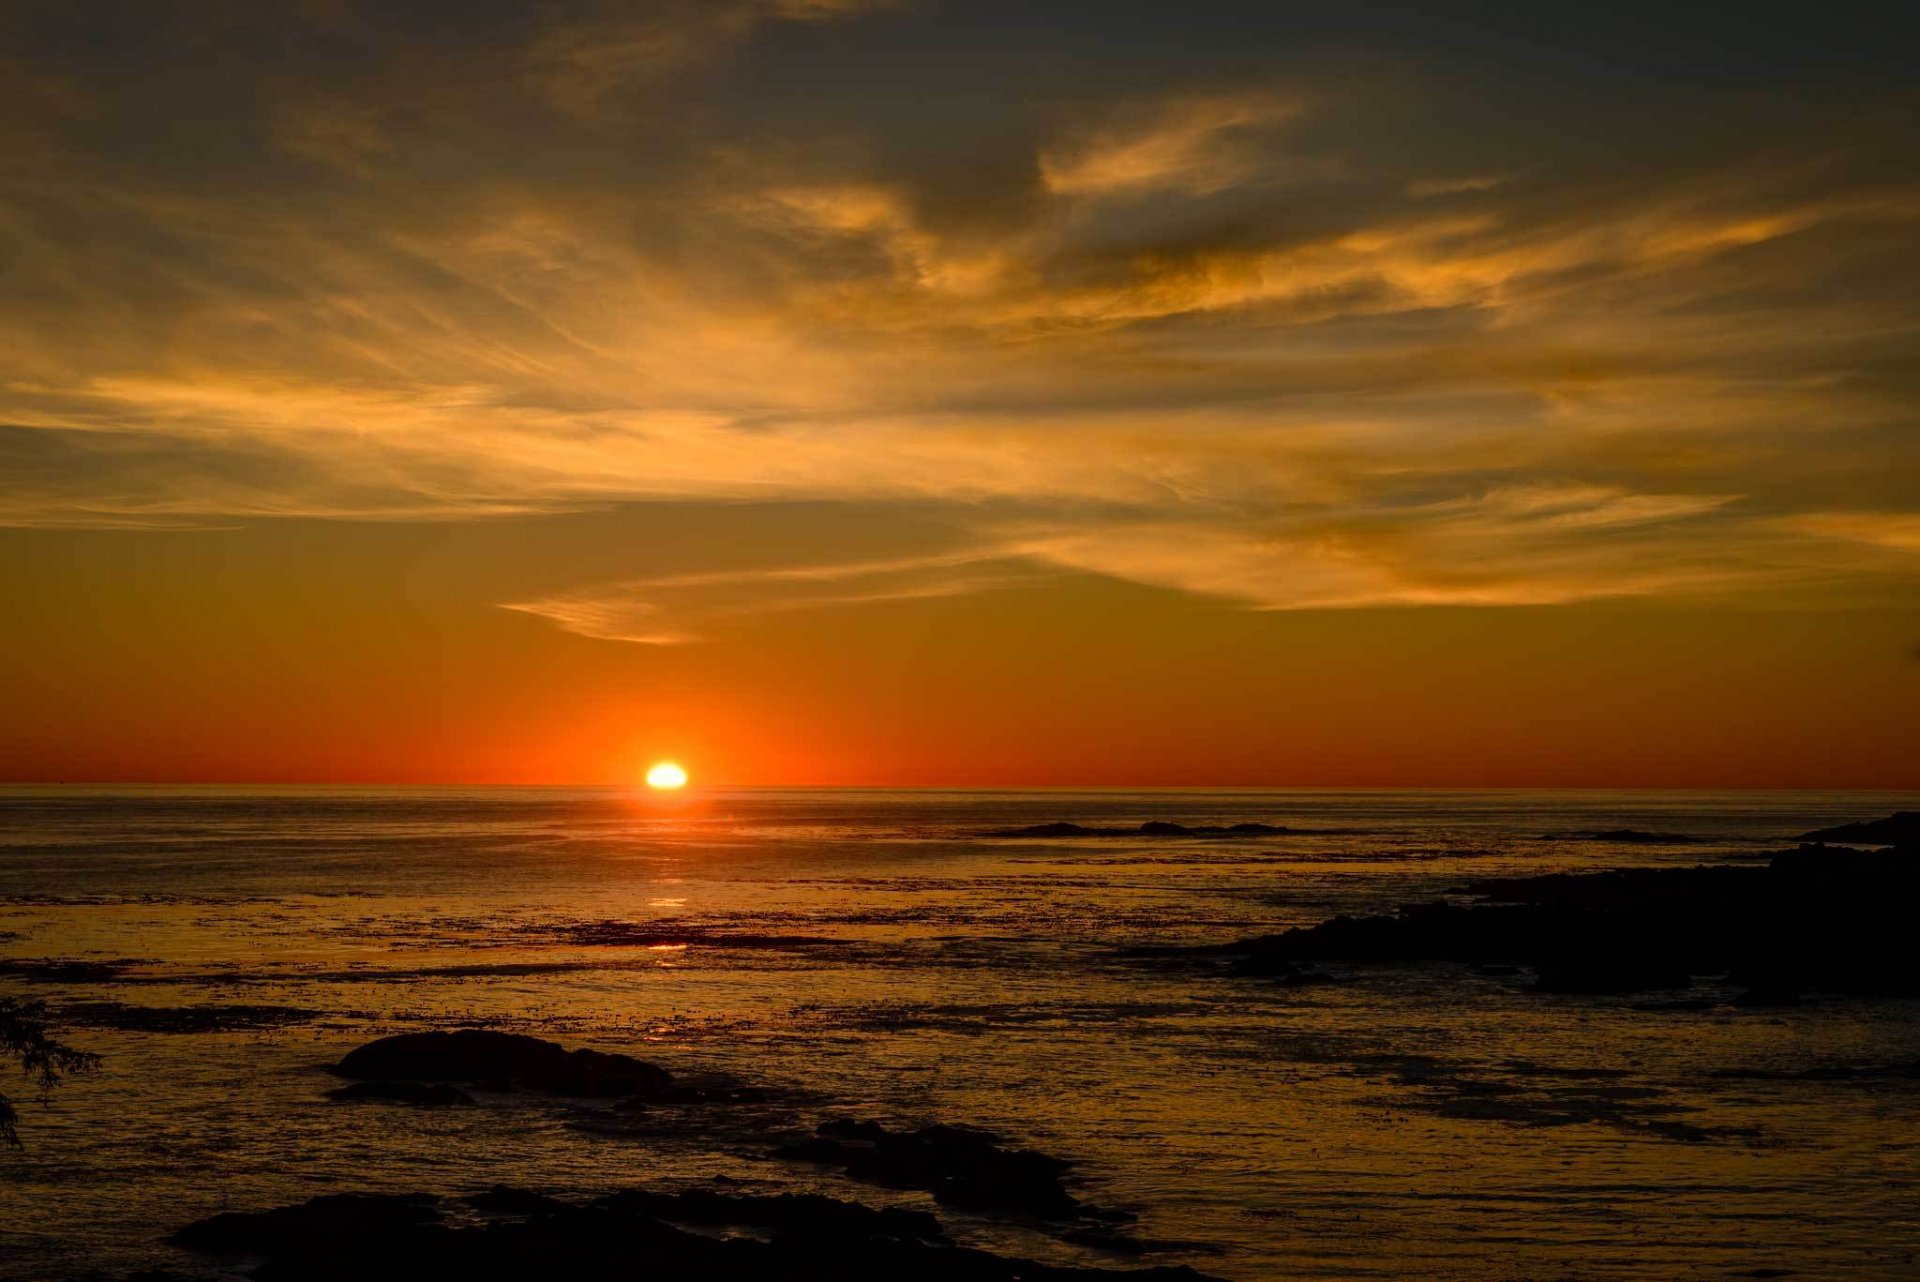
(873,953)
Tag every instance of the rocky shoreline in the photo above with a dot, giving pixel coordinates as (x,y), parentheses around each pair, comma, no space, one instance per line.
(1815,919)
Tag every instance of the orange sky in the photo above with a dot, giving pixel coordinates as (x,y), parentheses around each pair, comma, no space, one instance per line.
(861,392)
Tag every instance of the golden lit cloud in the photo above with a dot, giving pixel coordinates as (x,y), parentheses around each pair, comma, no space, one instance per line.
(670,610)
(1195,145)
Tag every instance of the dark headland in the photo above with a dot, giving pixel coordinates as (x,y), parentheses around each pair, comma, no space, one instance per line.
(1815,919)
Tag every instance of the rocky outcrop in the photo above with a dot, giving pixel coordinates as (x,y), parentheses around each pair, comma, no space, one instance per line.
(312,1225)
(696,1236)
(1902,829)
(1154,828)
(504,1061)
(962,1166)
(1814,919)
(1627,837)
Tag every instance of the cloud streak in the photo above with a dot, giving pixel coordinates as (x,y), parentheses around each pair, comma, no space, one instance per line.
(673,609)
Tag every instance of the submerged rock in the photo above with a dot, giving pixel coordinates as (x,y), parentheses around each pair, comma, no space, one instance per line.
(623,1235)
(504,1061)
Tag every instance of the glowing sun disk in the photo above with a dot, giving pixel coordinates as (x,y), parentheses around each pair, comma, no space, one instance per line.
(666,774)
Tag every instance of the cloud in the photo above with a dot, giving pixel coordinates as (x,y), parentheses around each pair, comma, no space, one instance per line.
(1196,145)
(1895,531)
(673,610)
(1530,545)
(1299,340)
(578,65)
(1422,188)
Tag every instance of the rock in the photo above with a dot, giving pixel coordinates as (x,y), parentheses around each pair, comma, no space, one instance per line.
(1152,828)
(1902,829)
(424,1094)
(504,1199)
(1815,919)
(961,1166)
(505,1061)
(321,1222)
(1054,830)
(1594,975)
(803,1214)
(664,1237)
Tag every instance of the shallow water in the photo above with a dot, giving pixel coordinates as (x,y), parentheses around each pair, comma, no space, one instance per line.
(1426,1122)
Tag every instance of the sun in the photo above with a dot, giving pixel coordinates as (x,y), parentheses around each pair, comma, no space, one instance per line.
(666,775)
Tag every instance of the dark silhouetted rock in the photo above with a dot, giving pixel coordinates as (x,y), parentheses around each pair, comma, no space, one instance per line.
(1815,919)
(1152,828)
(1902,829)
(801,1214)
(505,1061)
(425,1094)
(960,1165)
(662,1237)
(319,1223)
(504,1199)
(1627,974)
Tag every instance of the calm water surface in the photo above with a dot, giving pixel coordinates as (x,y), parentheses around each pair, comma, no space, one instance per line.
(1427,1123)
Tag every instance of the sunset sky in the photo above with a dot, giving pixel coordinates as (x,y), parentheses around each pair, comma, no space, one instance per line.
(942,392)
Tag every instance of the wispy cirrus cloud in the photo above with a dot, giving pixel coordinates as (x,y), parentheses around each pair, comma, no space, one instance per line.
(672,609)
(1197,145)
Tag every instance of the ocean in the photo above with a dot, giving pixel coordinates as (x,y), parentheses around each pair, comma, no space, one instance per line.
(872,954)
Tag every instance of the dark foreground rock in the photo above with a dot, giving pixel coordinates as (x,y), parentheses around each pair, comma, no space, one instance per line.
(311,1225)
(1155,828)
(625,1235)
(1816,919)
(962,1166)
(504,1061)
(1902,829)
